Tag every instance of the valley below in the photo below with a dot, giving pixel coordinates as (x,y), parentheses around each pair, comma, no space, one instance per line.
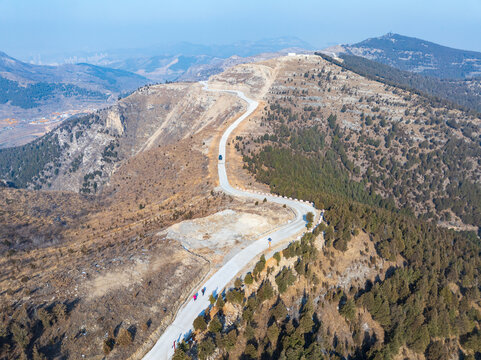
(23,128)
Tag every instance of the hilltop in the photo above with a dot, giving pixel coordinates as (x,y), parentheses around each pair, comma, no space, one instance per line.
(442,73)
(416,55)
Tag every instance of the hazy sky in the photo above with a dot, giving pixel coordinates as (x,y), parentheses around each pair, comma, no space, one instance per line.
(29,27)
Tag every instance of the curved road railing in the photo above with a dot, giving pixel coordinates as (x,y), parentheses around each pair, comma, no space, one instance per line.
(182,325)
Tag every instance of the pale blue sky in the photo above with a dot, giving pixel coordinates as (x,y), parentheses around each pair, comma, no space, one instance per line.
(29,27)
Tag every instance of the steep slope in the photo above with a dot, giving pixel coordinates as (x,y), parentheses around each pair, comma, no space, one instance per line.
(419,56)
(81,154)
(465,94)
(315,302)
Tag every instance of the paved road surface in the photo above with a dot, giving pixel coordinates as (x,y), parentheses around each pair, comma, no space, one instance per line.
(182,324)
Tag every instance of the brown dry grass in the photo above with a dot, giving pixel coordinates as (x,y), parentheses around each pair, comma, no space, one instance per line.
(106,253)
(106,256)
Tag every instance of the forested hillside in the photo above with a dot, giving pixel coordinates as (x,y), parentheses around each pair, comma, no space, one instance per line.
(428,306)
(448,93)
(34,95)
(21,165)
(392,170)
(419,56)
(61,152)
(416,154)
(330,167)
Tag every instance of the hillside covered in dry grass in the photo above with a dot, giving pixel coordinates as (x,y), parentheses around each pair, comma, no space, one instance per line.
(77,264)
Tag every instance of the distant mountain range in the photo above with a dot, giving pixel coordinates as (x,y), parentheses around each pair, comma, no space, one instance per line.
(184,60)
(240,48)
(82,75)
(415,55)
(82,82)
(27,86)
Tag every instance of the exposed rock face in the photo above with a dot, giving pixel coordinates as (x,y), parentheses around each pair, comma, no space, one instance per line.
(114,122)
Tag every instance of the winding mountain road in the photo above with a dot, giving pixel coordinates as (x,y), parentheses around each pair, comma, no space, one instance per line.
(182,324)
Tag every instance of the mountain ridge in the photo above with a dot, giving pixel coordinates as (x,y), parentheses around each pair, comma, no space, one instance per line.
(179,61)
(416,55)
(47,95)
(90,75)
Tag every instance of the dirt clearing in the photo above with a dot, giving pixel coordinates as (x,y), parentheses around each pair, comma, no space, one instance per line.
(230,229)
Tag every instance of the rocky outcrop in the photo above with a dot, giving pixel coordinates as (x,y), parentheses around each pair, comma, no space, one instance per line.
(113,121)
